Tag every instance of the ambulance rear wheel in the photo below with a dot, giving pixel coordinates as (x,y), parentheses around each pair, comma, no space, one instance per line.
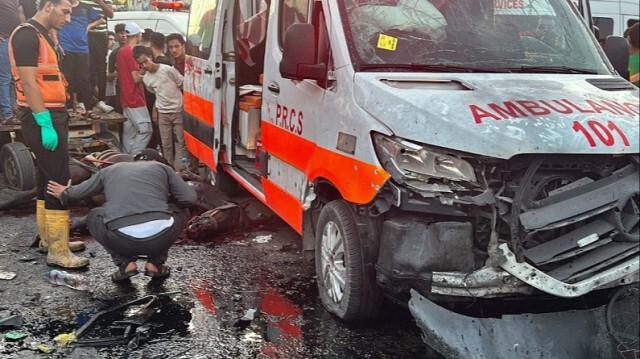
(17,166)
(222,181)
(345,258)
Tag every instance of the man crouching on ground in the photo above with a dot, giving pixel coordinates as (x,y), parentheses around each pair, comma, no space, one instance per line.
(145,211)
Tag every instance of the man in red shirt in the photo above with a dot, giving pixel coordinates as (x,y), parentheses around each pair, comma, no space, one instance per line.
(137,129)
(175,44)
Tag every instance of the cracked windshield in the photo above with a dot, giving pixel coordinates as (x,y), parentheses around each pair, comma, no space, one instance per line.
(460,35)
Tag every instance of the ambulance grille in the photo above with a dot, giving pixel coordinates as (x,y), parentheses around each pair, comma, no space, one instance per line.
(616,84)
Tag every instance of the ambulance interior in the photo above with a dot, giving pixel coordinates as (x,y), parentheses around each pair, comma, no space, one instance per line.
(248,38)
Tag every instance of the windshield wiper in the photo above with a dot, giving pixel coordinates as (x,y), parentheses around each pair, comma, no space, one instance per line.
(430,67)
(554,70)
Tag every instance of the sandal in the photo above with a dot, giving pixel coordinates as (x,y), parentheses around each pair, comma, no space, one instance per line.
(93,116)
(162,272)
(121,275)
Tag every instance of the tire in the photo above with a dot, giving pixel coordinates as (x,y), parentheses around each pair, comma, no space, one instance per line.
(5,137)
(346,252)
(18,167)
(222,181)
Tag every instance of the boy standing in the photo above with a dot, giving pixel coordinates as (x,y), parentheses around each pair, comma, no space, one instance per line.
(165,82)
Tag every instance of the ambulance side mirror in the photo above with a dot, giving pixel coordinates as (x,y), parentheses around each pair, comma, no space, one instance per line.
(298,54)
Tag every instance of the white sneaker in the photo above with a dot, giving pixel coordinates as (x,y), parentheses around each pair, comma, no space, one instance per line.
(104,107)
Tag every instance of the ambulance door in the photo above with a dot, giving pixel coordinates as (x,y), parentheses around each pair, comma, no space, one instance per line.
(290,114)
(203,80)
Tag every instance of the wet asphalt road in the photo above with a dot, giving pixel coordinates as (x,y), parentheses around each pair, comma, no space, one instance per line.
(257,272)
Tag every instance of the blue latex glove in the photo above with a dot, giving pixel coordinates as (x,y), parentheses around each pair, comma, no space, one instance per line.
(49,134)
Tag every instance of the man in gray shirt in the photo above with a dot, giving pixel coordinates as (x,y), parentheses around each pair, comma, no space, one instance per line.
(145,211)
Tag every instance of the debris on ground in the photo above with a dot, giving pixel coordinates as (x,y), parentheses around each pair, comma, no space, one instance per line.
(15,335)
(45,349)
(252,337)
(249,315)
(262,239)
(64,339)
(14,321)
(6,275)
(288,247)
(73,281)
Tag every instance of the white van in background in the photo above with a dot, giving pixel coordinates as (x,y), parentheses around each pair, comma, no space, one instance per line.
(165,22)
(612,17)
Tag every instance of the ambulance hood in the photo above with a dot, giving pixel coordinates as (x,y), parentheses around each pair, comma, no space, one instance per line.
(502,115)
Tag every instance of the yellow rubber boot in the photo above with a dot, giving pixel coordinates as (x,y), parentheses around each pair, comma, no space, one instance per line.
(58,238)
(43,245)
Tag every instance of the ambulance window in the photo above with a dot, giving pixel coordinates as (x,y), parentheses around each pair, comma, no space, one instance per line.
(201,25)
(605,24)
(291,12)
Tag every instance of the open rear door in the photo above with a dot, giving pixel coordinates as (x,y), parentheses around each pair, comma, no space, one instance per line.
(203,80)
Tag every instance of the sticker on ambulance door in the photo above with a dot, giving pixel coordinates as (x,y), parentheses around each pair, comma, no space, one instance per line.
(387,42)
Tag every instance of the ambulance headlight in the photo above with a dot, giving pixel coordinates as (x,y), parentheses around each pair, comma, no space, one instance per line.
(407,161)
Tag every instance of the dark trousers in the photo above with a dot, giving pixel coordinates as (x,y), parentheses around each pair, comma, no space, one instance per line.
(98,48)
(75,68)
(124,249)
(50,165)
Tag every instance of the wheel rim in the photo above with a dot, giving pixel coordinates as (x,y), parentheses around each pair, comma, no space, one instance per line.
(334,272)
(11,171)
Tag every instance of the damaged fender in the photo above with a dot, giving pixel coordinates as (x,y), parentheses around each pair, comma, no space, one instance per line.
(570,334)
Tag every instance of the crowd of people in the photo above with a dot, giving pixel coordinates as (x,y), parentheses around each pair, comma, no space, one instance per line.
(99,75)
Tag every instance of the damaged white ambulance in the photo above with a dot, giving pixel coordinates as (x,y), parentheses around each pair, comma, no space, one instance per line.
(447,151)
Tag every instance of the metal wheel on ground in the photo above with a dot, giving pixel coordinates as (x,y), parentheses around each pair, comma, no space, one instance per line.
(17,165)
(345,257)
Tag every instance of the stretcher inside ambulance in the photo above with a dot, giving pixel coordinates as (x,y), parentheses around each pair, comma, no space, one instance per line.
(462,149)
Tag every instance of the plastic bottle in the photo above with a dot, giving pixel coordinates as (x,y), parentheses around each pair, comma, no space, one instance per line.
(74,281)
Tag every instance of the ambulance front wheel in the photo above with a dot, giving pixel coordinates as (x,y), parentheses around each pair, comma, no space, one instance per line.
(346,250)
(222,181)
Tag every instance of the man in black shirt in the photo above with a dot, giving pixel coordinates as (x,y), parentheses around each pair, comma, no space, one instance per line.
(41,95)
